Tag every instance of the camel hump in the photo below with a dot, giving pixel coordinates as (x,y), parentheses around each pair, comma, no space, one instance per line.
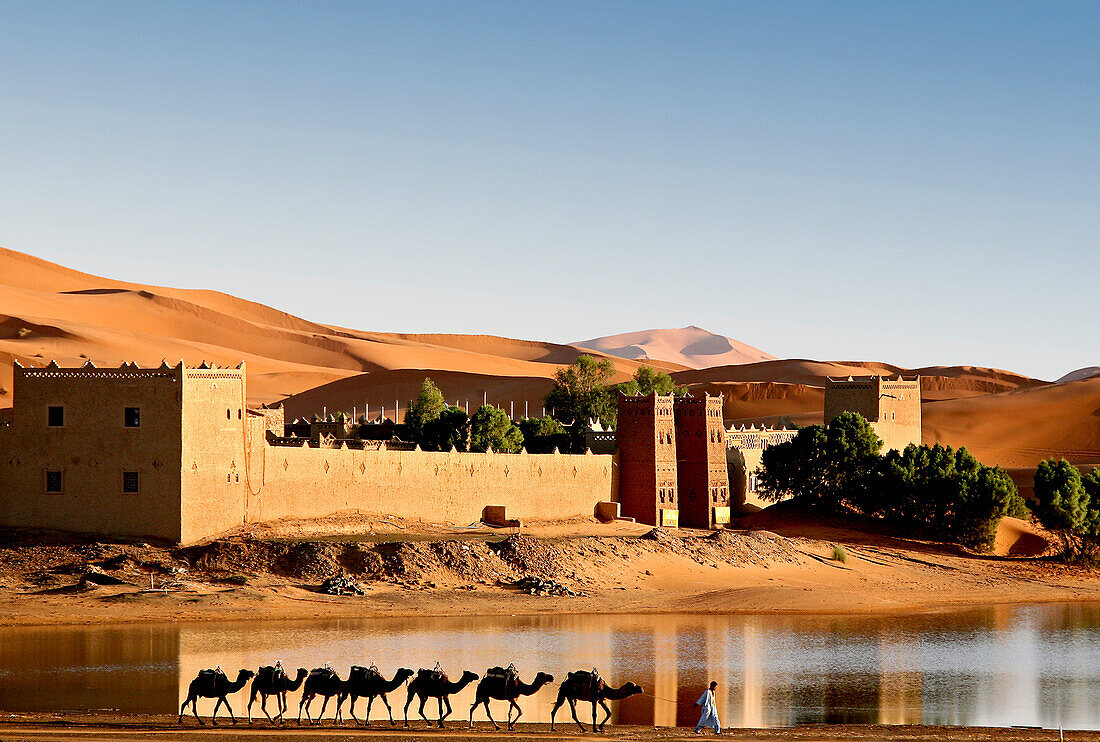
(503,673)
(325,673)
(358,671)
(268,673)
(208,680)
(431,676)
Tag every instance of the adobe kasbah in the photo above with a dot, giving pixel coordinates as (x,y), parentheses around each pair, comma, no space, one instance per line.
(174,453)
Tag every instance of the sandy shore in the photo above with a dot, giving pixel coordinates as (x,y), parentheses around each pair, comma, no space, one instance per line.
(109,726)
(787,568)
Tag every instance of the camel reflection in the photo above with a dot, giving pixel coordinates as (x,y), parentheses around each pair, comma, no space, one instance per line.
(996,666)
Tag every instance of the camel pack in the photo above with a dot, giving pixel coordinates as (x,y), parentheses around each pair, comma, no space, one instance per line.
(508,674)
(323,673)
(424,675)
(208,680)
(358,672)
(267,675)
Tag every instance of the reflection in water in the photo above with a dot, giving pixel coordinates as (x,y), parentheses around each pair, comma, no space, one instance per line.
(996,666)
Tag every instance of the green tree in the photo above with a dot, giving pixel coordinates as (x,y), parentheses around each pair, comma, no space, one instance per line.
(544,434)
(1063,504)
(451,428)
(647,381)
(581,393)
(427,406)
(492,428)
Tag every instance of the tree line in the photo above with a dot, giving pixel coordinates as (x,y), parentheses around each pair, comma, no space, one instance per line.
(937,492)
(582,392)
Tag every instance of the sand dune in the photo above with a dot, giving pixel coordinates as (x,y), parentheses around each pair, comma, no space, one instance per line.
(688,347)
(1082,373)
(49,312)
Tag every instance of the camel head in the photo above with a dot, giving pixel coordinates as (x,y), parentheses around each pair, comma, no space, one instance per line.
(543,678)
(244,675)
(302,674)
(404,673)
(631,689)
(468,677)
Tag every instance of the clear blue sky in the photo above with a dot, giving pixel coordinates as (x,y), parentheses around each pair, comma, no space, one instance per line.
(914,182)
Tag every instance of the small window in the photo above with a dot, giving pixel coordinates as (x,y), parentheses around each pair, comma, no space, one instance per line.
(228,414)
(55,482)
(238,414)
(131,483)
(55,416)
(132,417)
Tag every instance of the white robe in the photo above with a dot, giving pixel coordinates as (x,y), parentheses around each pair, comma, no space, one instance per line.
(709,718)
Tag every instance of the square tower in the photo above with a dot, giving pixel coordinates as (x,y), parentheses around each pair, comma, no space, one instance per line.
(891,405)
(647,459)
(702,479)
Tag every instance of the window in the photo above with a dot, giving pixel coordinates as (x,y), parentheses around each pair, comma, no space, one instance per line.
(228,415)
(130,483)
(55,416)
(55,482)
(132,417)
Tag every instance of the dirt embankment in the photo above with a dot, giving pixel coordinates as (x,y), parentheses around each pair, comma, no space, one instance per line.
(786,563)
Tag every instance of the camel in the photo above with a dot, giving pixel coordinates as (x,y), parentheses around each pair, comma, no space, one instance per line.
(584,685)
(323,681)
(368,682)
(505,685)
(213,684)
(272,680)
(434,684)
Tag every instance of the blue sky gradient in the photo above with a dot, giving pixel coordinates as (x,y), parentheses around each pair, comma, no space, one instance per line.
(910,182)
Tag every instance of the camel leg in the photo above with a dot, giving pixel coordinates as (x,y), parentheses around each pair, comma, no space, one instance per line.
(557,705)
(606,710)
(184,706)
(230,709)
(573,709)
(351,708)
(423,700)
(442,716)
(408,700)
(386,701)
(324,705)
(519,713)
(304,703)
(593,716)
(490,715)
(214,716)
(281,697)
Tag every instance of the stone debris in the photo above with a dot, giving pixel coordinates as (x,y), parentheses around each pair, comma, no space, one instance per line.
(342,585)
(535,586)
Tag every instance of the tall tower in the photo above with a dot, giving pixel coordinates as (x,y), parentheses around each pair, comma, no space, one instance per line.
(702,478)
(891,405)
(647,459)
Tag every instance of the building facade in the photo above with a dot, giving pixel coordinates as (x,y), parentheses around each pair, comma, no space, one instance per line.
(173,453)
(701,476)
(891,405)
(646,437)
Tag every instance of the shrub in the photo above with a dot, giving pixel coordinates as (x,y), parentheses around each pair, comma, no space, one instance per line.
(839,554)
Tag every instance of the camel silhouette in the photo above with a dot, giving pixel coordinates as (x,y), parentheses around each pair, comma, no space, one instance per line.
(368,682)
(585,685)
(434,684)
(271,680)
(213,684)
(504,685)
(322,681)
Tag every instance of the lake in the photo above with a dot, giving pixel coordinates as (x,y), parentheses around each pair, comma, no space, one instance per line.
(999,666)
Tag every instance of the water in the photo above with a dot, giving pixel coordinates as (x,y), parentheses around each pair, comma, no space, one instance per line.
(1000,666)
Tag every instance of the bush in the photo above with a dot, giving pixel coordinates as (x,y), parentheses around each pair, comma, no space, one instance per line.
(1068,504)
(839,554)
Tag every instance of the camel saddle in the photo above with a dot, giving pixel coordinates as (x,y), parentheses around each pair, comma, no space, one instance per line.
(359,672)
(267,675)
(507,674)
(323,672)
(431,676)
(208,679)
(590,678)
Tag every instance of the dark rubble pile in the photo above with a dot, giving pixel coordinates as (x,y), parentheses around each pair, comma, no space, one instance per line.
(531,556)
(535,586)
(342,585)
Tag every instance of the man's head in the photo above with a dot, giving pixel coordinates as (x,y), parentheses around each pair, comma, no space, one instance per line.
(713,684)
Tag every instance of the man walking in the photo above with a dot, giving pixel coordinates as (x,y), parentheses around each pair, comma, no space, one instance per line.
(709,717)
